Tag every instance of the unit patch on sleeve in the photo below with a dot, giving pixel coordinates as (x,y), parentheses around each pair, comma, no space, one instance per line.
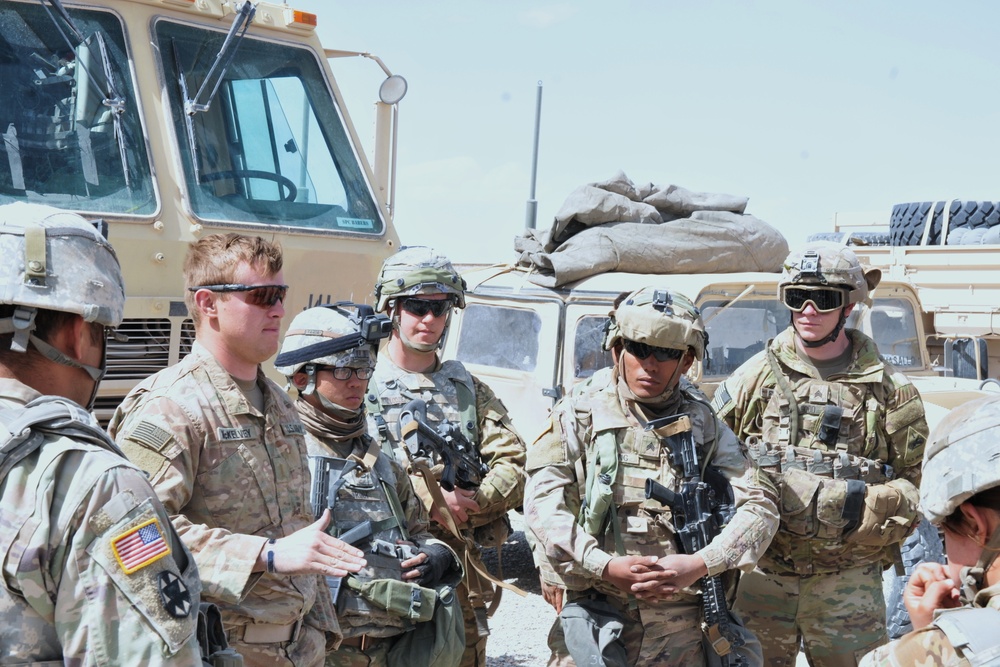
(138,547)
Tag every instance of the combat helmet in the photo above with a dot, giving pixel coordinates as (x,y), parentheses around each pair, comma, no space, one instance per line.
(338,335)
(825,264)
(961,458)
(416,270)
(658,317)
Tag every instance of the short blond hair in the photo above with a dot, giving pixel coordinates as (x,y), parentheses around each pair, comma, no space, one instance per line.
(214,259)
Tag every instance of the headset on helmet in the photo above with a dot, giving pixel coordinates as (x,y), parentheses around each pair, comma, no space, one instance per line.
(417,270)
(658,317)
(962,458)
(340,334)
(824,264)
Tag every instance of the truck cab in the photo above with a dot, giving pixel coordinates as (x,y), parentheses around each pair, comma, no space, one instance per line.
(166,120)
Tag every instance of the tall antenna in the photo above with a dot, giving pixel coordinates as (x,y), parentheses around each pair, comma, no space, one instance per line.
(532,211)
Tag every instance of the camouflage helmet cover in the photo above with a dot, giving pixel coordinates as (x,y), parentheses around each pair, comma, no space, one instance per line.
(416,270)
(962,457)
(825,264)
(658,317)
(315,332)
(56,260)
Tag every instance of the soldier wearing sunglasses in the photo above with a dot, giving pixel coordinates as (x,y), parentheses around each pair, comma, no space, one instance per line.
(609,558)
(843,432)
(225,450)
(418,288)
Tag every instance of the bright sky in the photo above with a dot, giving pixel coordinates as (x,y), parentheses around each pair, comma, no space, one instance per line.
(806,108)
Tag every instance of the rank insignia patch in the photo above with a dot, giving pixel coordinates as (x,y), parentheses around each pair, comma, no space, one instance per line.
(140,546)
(175,595)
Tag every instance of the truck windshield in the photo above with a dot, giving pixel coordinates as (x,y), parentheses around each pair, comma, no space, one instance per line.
(272,147)
(893,326)
(72,137)
(738,332)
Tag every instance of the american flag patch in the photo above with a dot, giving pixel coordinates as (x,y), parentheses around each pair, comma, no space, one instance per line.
(140,546)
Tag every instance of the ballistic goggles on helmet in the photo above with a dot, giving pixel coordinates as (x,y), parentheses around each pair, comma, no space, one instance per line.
(420,307)
(642,351)
(823,299)
(372,328)
(263,296)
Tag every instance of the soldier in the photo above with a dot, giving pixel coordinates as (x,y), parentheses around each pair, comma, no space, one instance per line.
(609,557)
(418,288)
(328,355)
(843,431)
(81,586)
(955,608)
(225,451)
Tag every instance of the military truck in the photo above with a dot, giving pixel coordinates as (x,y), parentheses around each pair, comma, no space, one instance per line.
(170,119)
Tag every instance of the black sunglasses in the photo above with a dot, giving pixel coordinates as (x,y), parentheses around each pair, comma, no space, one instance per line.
(420,307)
(264,296)
(642,351)
(823,299)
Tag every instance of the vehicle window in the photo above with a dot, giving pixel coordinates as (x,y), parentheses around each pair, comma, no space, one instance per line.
(894,328)
(271,147)
(72,136)
(499,336)
(738,332)
(588,354)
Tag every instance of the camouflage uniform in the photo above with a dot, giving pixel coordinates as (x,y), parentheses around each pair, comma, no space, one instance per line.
(959,464)
(500,447)
(66,597)
(231,478)
(661,632)
(859,434)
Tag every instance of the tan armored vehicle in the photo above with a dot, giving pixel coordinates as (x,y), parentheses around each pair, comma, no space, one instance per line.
(171,119)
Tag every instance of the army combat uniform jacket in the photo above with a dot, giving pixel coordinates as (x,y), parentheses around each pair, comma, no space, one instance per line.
(866,425)
(560,466)
(231,477)
(947,642)
(93,572)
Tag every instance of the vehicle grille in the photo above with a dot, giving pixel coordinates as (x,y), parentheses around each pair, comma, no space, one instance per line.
(147,349)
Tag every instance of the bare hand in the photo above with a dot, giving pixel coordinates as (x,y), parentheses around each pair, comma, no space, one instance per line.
(408,566)
(686,569)
(624,571)
(553,595)
(311,551)
(460,503)
(929,588)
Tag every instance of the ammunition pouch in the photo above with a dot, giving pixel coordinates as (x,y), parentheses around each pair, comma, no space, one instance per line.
(887,517)
(831,464)
(439,642)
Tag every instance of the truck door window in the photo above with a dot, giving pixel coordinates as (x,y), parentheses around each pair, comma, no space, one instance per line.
(738,332)
(272,147)
(500,337)
(589,356)
(72,136)
(892,324)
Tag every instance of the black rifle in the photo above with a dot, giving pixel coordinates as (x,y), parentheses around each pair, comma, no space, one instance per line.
(462,466)
(699,514)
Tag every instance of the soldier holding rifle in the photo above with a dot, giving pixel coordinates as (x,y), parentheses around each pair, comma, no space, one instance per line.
(629,585)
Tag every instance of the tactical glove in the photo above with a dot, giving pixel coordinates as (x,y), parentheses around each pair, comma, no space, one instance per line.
(440,560)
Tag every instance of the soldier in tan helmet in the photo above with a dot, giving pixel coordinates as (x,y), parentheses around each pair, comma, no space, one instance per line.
(843,432)
(628,588)
(955,608)
(418,288)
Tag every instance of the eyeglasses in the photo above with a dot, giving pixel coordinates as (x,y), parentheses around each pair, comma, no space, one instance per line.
(264,296)
(824,299)
(642,351)
(420,307)
(345,372)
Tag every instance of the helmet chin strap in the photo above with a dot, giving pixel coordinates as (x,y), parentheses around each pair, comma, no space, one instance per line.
(328,405)
(829,338)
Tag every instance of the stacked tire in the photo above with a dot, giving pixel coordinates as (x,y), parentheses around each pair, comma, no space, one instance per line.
(969,223)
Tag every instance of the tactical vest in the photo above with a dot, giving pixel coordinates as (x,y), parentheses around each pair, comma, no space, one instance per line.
(973,631)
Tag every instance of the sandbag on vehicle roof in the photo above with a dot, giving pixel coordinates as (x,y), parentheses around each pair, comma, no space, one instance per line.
(616,226)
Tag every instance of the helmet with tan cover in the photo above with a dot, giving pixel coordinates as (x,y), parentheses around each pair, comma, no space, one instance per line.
(823,265)
(417,270)
(658,317)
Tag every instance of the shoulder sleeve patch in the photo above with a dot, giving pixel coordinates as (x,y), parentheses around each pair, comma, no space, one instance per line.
(548,449)
(139,546)
(150,435)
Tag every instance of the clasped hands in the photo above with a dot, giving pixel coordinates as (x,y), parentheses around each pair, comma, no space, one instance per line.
(651,578)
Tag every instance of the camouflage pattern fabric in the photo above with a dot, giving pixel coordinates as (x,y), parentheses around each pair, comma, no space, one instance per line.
(67,510)
(883,419)
(836,619)
(931,647)
(500,447)
(575,560)
(231,477)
